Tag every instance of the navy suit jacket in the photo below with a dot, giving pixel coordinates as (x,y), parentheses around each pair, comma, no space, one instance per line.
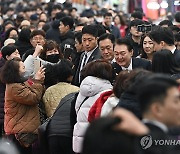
(177,57)
(136,63)
(95,55)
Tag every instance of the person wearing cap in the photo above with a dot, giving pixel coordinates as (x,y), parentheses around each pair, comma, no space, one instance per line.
(8,52)
(135,36)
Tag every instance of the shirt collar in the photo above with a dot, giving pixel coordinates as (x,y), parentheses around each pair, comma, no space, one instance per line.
(156,123)
(129,68)
(173,50)
(90,52)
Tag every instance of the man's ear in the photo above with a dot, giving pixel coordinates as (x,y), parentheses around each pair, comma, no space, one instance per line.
(131,52)
(67,27)
(162,43)
(156,109)
(7,57)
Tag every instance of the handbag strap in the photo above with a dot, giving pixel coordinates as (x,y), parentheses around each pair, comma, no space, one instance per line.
(61,104)
(82,104)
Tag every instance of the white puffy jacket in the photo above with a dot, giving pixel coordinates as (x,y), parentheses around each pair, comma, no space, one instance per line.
(90,87)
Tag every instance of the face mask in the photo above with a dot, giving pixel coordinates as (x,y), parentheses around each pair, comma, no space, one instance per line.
(54,58)
(99,19)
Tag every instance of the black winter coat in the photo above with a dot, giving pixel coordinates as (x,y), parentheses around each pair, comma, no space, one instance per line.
(2,93)
(60,124)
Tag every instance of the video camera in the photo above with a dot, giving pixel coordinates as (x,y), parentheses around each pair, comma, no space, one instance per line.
(144,28)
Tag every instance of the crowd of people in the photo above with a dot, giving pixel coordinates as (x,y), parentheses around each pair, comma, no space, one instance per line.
(103,78)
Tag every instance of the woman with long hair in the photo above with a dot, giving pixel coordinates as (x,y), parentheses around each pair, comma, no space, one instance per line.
(147,47)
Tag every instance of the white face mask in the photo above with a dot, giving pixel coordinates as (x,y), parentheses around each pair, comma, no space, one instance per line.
(99,19)
(87,7)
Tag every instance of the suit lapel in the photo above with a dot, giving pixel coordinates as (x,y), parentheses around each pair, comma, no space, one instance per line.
(92,57)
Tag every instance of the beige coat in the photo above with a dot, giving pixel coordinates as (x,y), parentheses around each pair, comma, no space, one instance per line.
(55,93)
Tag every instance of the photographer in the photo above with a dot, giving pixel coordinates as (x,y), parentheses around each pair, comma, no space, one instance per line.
(135,36)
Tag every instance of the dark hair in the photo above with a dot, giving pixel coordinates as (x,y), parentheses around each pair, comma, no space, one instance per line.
(166,22)
(56,6)
(126,42)
(154,89)
(50,45)
(68,21)
(90,29)
(50,76)
(133,80)
(107,36)
(10,72)
(162,34)
(136,22)
(60,15)
(7,23)
(119,84)
(121,19)
(163,62)
(101,137)
(24,35)
(101,29)
(8,50)
(107,14)
(78,36)
(37,32)
(177,37)
(99,68)
(63,70)
(143,53)
(174,28)
(177,17)
(9,31)
(137,15)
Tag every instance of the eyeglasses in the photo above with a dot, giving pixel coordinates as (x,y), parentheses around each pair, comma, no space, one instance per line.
(38,38)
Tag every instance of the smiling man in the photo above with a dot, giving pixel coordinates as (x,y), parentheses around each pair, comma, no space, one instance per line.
(123,52)
(106,45)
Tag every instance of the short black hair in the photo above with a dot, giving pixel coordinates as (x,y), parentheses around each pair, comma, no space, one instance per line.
(136,22)
(177,17)
(163,61)
(78,36)
(126,42)
(137,15)
(90,29)
(166,22)
(63,70)
(107,14)
(107,36)
(177,37)
(37,32)
(68,21)
(101,29)
(162,34)
(154,89)
(102,138)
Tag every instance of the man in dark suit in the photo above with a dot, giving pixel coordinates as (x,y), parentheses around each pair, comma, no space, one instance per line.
(160,106)
(163,38)
(89,41)
(123,52)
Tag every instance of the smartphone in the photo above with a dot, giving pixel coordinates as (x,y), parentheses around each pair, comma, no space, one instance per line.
(37,65)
